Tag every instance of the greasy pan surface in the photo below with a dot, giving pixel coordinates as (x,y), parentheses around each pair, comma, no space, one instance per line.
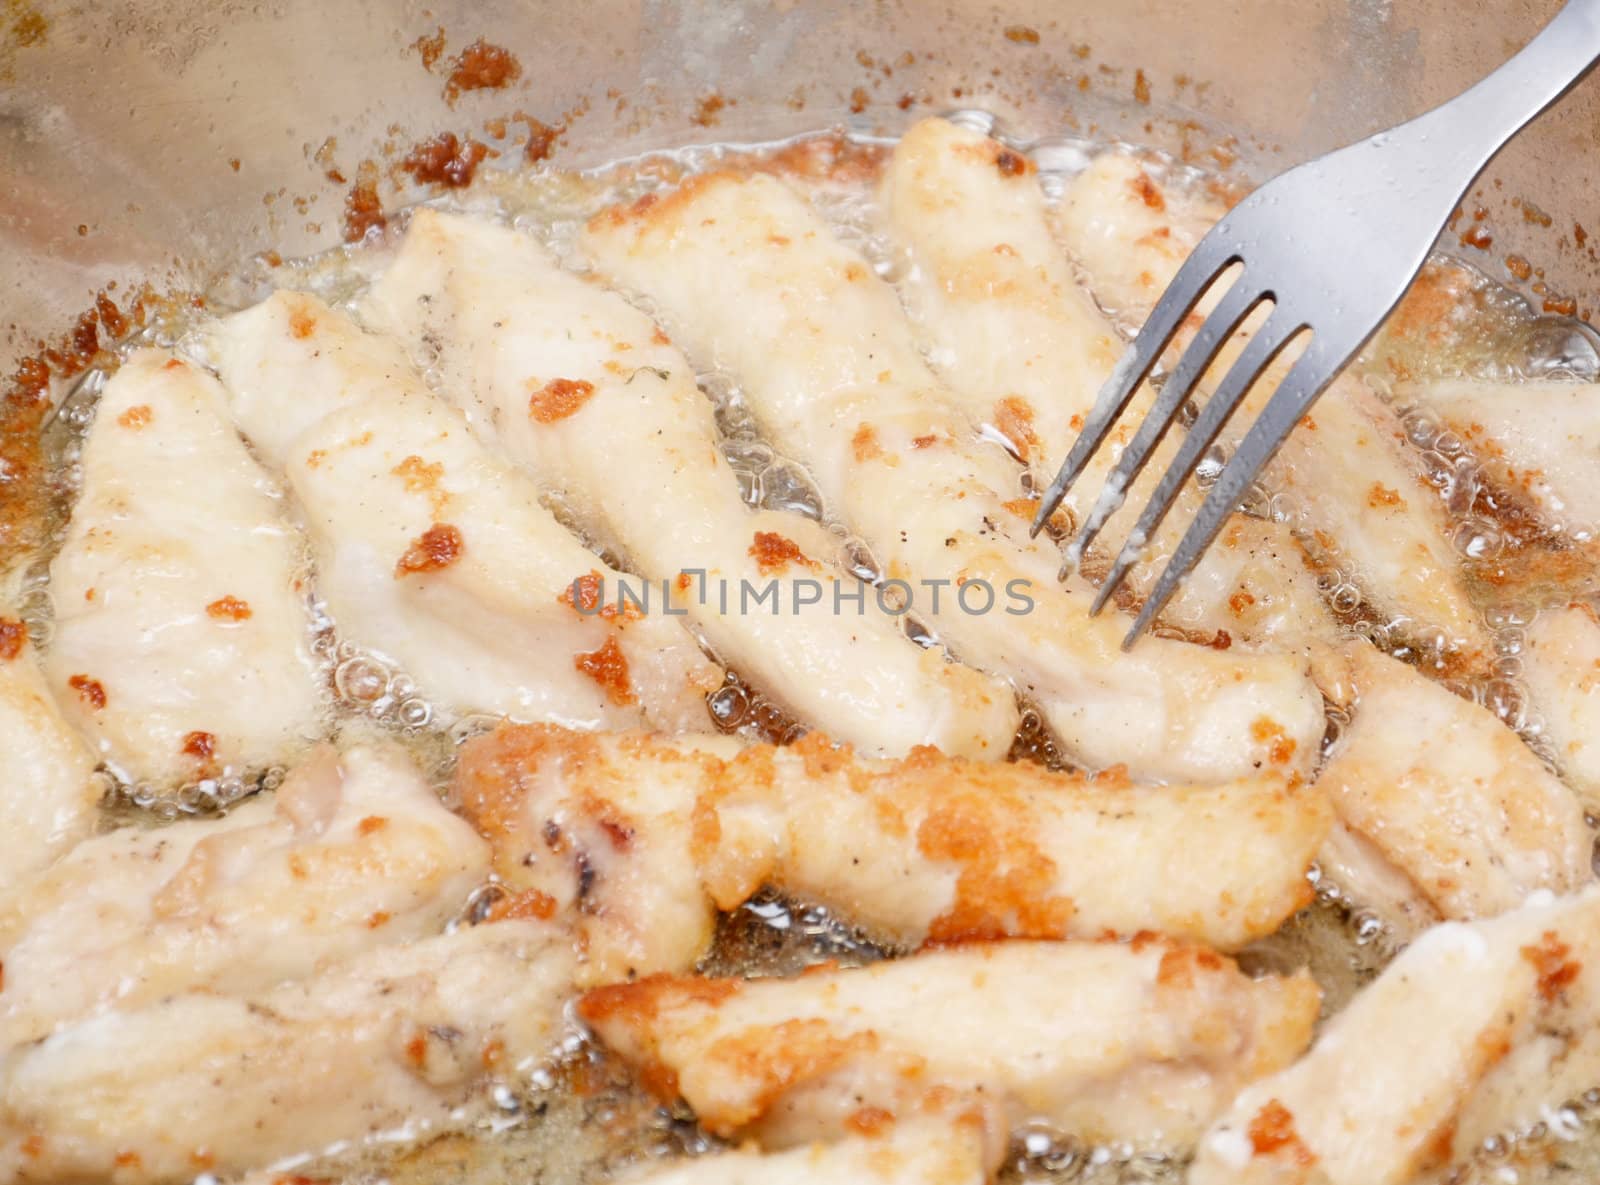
(164,140)
(167,146)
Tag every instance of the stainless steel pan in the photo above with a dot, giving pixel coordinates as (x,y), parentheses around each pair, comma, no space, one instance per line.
(120,124)
(166,141)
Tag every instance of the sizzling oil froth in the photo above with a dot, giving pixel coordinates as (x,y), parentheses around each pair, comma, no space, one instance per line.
(582,1120)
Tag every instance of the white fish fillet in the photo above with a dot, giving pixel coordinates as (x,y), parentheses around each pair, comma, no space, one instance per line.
(1561,669)
(1025,349)
(353,851)
(1145,1042)
(182,640)
(634,451)
(1450,796)
(912,1152)
(641,840)
(202,1083)
(47,794)
(991,294)
(432,550)
(1362,496)
(751,279)
(1474,1029)
(1538,440)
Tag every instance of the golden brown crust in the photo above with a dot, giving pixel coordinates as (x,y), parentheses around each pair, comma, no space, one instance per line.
(1005,882)
(865,442)
(136,417)
(638,1004)
(831,157)
(973,833)
(1272,1132)
(1013,419)
(558,399)
(1551,961)
(13,637)
(586,595)
(1381,496)
(202,746)
(90,691)
(525,903)
(1281,747)
(423,477)
(1148,192)
(1182,966)
(608,667)
(229,609)
(436,548)
(498,770)
(773,553)
(654,210)
(777,1059)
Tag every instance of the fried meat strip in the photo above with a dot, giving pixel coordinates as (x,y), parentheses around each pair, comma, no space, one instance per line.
(1474,1029)
(47,794)
(753,282)
(1008,327)
(584,390)
(1361,495)
(643,839)
(1561,667)
(1449,796)
(1540,441)
(354,850)
(435,552)
(182,636)
(199,1082)
(1144,1041)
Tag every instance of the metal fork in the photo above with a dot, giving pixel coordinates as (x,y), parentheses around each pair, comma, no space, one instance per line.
(1331,245)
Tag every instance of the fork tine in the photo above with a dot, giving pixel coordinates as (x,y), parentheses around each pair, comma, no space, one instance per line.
(1234,307)
(1203,266)
(1306,379)
(1252,360)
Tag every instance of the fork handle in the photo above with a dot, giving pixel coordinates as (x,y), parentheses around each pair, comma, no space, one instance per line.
(1480,120)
